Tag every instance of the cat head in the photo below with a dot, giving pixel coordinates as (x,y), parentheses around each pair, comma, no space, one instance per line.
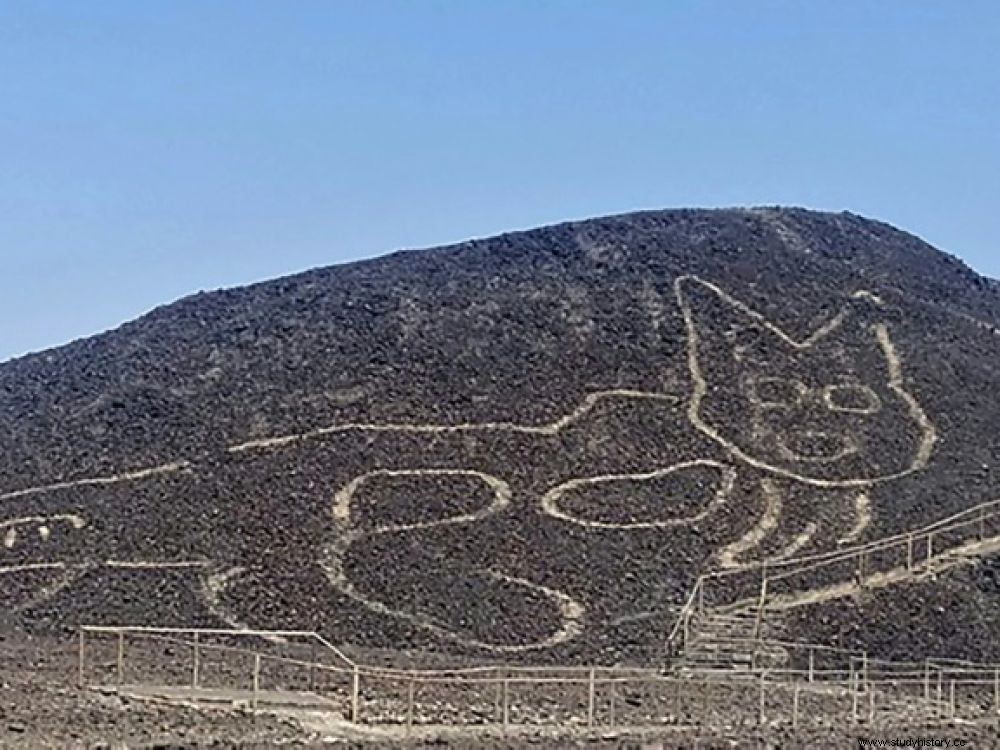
(829,409)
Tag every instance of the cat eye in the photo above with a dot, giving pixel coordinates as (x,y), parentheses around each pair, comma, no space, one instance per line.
(857,399)
(775,392)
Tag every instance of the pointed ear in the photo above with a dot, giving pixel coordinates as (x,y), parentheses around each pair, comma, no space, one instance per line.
(721,329)
(715,319)
(863,343)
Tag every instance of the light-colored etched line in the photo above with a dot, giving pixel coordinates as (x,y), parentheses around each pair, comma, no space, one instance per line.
(898,385)
(571,613)
(32,566)
(156,564)
(552,428)
(128,476)
(345,534)
(68,577)
(72,518)
(550,500)
(136,564)
(874,402)
(811,340)
(700,387)
(213,586)
(848,447)
(501,497)
(800,541)
(729,555)
(870,296)
(862,518)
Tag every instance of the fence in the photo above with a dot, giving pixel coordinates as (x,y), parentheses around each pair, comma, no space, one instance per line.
(777,584)
(271,669)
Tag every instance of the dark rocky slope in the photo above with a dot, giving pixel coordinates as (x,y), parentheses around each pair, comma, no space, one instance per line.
(576,495)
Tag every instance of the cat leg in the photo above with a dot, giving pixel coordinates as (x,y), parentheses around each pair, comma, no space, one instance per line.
(368,529)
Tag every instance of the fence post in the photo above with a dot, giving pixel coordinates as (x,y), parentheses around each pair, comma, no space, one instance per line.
(677,697)
(121,657)
(411,689)
(853,682)
(256,680)
(705,702)
(81,675)
(927,680)
(498,699)
(195,662)
(312,664)
(701,599)
(982,524)
(930,548)
(861,569)
(951,700)
(355,695)
(909,552)
(760,706)
(812,663)
(795,707)
(613,688)
(760,605)
(871,704)
(506,703)
(996,690)
(591,698)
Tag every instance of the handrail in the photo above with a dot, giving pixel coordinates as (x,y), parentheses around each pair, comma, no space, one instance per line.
(792,566)
(235,632)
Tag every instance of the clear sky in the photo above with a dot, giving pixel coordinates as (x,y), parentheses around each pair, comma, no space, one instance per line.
(152,149)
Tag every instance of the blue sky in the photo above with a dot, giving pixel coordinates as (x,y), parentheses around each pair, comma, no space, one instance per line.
(152,149)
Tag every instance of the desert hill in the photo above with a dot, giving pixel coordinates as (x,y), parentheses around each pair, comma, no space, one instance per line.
(523,448)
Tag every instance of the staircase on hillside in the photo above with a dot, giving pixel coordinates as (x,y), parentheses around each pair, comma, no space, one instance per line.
(730,639)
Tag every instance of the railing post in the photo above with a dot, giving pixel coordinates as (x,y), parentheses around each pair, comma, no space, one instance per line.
(812,663)
(312,664)
(951,700)
(196,662)
(677,697)
(760,605)
(411,689)
(256,680)
(613,690)
(705,703)
(795,707)
(355,695)
(871,704)
(506,704)
(81,674)
(760,704)
(121,657)
(927,680)
(853,683)
(591,698)
(498,700)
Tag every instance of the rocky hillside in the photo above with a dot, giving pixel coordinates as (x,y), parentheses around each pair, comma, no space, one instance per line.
(525,447)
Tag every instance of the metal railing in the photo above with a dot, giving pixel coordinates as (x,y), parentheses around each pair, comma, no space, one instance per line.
(757,587)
